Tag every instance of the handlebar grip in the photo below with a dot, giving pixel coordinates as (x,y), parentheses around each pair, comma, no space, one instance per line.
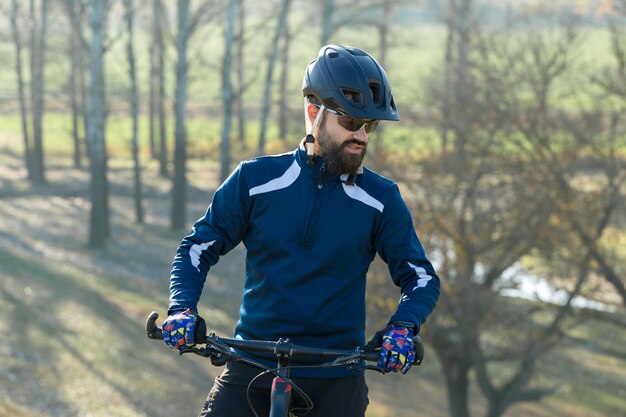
(372,356)
(419,350)
(152,330)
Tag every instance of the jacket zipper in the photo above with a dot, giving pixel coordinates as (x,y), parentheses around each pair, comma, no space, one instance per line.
(313,210)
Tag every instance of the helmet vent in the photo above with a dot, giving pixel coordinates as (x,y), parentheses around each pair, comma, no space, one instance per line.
(376,93)
(353,96)
(333,55)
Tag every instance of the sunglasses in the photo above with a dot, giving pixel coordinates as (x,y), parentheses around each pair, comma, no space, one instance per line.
(350,123)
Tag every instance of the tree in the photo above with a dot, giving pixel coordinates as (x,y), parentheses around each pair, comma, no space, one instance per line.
(227,90)
(99,224)
(134,100)
(187,24)
(37,59)
(283,109)
(609,166)
(328,9)
(75,10)
(240,41)
(17,41)
(271,63)
(179,190)
(383,26)
(462,80)
(157,90)
(496,203)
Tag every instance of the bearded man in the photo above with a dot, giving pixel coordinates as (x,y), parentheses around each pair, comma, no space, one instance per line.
(312,221)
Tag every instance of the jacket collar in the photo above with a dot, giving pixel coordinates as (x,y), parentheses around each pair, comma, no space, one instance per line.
(302,158)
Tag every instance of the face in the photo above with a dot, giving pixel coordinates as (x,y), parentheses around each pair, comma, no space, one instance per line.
(342,150)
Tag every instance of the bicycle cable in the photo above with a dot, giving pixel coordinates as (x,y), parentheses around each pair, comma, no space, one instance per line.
(308,402)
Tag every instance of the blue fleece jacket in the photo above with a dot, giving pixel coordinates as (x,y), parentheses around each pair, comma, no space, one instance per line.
(310,238)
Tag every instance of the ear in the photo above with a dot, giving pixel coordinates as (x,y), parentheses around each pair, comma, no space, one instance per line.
(312,111)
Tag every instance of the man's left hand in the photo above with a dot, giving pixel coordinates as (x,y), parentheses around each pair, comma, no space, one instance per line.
(397,352)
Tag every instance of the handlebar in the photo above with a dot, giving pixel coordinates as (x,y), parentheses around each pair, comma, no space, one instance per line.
(281,348)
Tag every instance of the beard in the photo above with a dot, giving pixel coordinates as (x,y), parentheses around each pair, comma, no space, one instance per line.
(338,160)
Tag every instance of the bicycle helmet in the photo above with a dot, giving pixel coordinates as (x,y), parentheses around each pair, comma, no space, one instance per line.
(349,80)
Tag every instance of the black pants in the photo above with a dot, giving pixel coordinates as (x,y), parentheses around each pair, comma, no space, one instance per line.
(332,397)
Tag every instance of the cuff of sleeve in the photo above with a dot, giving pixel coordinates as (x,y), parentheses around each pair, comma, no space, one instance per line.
(407,324)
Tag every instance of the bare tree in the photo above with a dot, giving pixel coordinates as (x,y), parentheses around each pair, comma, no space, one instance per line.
(99,229)
(240,41)
(607,200)
(271,63)
(283,110)
(129,16)
(451,36)
(227,89)
(328,10)
(75,10)
(157,90)
(383,26)
(187,24)
(17,41)
(487,207)
(37,64)
(462,75)
(154,53)
(179,190)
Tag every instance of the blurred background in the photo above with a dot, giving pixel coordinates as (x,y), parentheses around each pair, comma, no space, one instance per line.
(119,119)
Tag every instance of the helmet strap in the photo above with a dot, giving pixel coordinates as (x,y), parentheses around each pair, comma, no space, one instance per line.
(310,139)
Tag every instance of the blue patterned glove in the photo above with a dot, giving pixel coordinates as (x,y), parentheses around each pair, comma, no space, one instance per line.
(183,329)
(397,352)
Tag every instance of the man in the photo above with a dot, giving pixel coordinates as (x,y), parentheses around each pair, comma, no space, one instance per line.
(312,221)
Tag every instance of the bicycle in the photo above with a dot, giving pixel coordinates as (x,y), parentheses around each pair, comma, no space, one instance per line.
(221,350)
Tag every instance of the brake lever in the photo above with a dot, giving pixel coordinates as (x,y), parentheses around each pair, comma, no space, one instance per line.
(197,351)
(374,368)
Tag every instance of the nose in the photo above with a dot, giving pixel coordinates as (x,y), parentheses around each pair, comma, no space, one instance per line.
(361,134)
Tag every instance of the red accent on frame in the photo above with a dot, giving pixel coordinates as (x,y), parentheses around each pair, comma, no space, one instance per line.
(277,381)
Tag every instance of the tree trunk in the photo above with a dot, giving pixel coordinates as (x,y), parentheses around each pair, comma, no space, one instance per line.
(160,96)
(76,68)
(134,100)
(448,68)
(241,116)
(38,50)
(20,83)
(99,231)
(456,373)
(327,21)
(153,83)
(283,114)
(383,32)
(179,190)
(227,90)
(82,82)
(267,92)
(463,87)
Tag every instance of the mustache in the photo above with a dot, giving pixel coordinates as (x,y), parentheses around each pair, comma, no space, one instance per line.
(355,142)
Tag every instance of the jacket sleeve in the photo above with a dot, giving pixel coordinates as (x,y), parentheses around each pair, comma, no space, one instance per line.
(398,245)
(220,230)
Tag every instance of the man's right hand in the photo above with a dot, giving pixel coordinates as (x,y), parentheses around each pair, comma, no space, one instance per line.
(183,329)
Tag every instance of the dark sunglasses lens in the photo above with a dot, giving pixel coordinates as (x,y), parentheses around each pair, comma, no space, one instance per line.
(353,125)
(349,123)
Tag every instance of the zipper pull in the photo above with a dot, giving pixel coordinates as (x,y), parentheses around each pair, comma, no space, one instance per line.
(322,170)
